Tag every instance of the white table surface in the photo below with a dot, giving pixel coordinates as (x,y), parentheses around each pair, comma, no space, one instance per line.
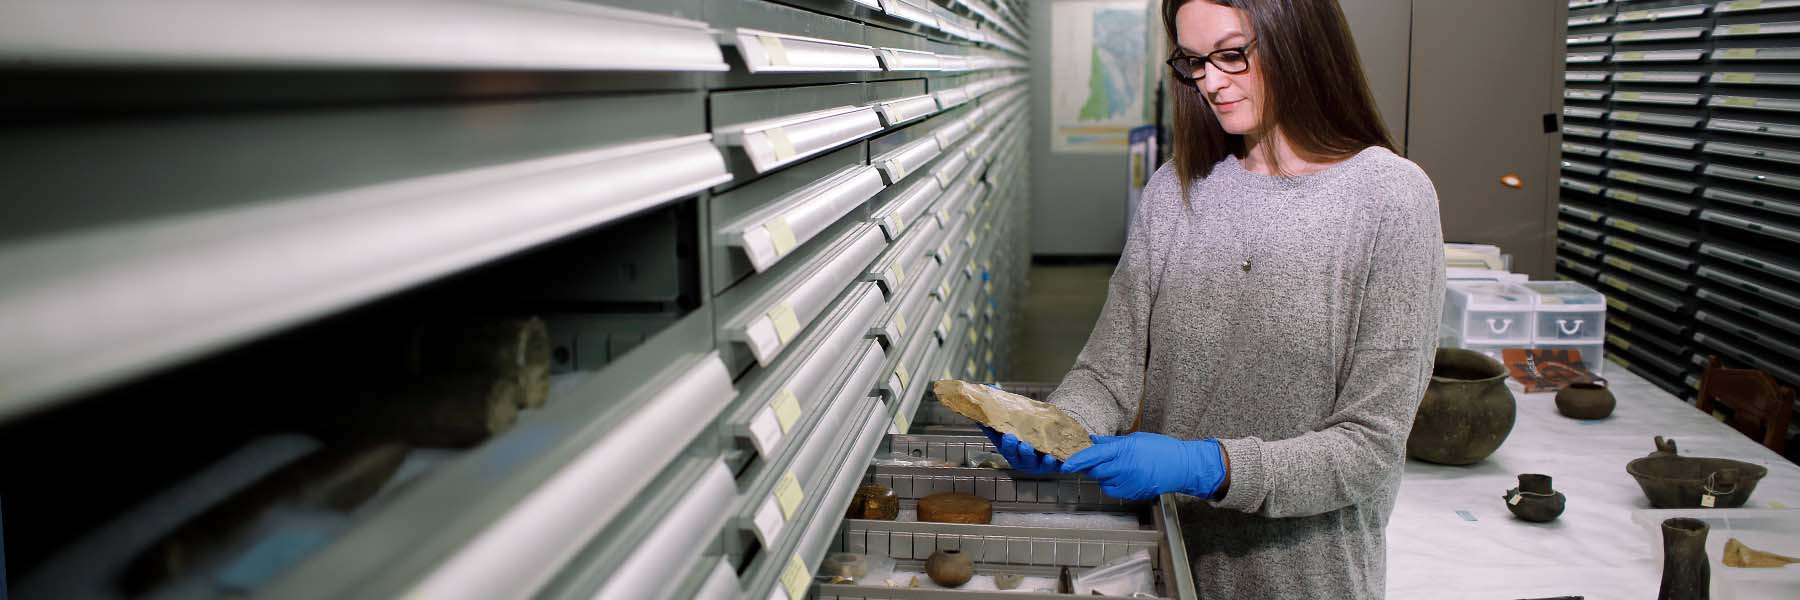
(1594,550)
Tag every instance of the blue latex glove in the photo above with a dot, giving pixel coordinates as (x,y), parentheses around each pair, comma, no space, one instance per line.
(1142,466)
(1021,455)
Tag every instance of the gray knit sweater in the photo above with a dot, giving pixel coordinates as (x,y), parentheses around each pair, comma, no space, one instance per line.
(1294,320)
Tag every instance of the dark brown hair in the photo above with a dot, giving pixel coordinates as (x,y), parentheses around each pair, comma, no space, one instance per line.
(1313,89)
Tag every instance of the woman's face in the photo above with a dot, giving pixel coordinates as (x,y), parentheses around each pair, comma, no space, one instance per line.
(1202,27)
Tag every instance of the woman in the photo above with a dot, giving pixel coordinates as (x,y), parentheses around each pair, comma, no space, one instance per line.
(1269,330)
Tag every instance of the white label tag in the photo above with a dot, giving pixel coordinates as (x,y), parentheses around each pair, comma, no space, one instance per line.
(780,144)
(765,432)
(1514,500)
(769,522)
(777,53)
(1706,500)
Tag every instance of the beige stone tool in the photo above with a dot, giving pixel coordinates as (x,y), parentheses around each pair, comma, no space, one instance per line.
(1739,555)
(1046,427)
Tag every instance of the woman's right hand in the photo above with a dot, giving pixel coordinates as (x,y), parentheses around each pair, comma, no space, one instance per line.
(1021,455)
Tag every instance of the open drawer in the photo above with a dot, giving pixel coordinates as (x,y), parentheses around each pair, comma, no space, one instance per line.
(1043,527)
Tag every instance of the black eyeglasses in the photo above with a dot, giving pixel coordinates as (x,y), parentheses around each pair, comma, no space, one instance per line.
(1229,60)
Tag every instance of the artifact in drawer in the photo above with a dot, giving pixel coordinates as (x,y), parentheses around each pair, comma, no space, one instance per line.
(1046,427)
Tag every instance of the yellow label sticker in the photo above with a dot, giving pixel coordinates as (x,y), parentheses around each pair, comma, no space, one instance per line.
(1620,264)
(1635,15)
(1745,29)
(781,235)
(948,374)
(1626,196)
(1742,5)
(970,238)
(905,376)
(788,494)
(1629,136)
(1740,101)
(1631,77)
(988,286)
(796,578)
(894,223)
(974,337)
(989,333)
(777,53)
(1737,53)
(1625,225)
(989,356)
(1618,305)
(1628,95)
(1630,35)
(945,323)
(1622,244)
(1616,359)
(1625,115)
(1737,77)
(969,367)
(899,274)
(787,325)
(787,409)
(900,324)
(780,143)
(1618,341)
(902,423)
(1631,156)
(1631,56)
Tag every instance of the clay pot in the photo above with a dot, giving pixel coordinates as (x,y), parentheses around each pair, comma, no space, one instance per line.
(950,568)
(1467,411)
(1686,573)
(1534,500)
(1585,400)
(874,501)
(1670,480)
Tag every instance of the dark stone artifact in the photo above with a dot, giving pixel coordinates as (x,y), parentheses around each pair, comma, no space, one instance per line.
(1670,480)
(951,507)
(874,501)
(1467,411)
(1534,500)
(1586,400)
(844,566)
(518,348)
(1686,574)
(949,568)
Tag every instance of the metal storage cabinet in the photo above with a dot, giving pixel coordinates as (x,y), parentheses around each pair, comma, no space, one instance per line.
(1693,181)
(756,230)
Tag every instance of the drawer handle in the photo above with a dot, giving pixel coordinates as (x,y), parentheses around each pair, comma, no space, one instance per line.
(781,141)
(897,59)
(1499,326)
(775,231)
(1564,325)
(905,110)
(772,325)
(770,52)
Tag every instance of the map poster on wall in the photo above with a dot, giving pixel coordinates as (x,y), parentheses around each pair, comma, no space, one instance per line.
(1097,74)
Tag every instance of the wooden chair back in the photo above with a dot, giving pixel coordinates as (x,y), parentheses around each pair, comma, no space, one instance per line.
(1760,407)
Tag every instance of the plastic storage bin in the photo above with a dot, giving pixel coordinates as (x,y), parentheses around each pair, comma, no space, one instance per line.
(1567,313)
(1487,314)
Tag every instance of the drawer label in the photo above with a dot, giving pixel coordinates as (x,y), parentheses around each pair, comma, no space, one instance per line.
(900,324)
(787,325)
(786,408)
(1738,77)
(1738,53)
(796,578)
(789,494)
(1740,101)
(902,423)
(905,377)
(782,235)
(778,55)
(780,143)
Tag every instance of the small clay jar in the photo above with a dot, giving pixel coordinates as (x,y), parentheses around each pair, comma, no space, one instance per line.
(950,568)
(1586,400)
(1687,573)
(874,501)
(1534,500)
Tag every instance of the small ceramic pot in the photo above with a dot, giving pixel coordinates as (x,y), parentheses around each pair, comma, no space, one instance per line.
(1585,400)
(950,568)
(1534,500)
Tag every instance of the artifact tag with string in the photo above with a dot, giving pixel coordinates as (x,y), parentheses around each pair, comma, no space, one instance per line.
(1514,500)
(1706,500)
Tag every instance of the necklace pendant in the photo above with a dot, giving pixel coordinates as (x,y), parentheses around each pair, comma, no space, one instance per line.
(1246,265)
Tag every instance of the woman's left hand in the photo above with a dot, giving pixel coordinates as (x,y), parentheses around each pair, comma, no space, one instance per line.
(1142,466)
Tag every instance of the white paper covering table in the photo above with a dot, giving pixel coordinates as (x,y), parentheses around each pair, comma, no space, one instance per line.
(1594,550)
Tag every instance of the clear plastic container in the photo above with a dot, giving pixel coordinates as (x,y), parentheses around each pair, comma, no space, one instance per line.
(1567,312)
(1488,313)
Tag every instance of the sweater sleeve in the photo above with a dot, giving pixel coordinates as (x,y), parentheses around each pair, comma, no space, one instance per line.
(1361,445)
(1105,387)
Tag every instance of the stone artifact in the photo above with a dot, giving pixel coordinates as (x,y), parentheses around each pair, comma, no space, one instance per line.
(874,501)
(1585,400)
(1739,555)
(951,507)
(1008,581)
(1686,574)
(1046,427)
(514,347)
(1670,480)
(949,568)
(1534,500)
(433,410)
(1467,411)
(335,479)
